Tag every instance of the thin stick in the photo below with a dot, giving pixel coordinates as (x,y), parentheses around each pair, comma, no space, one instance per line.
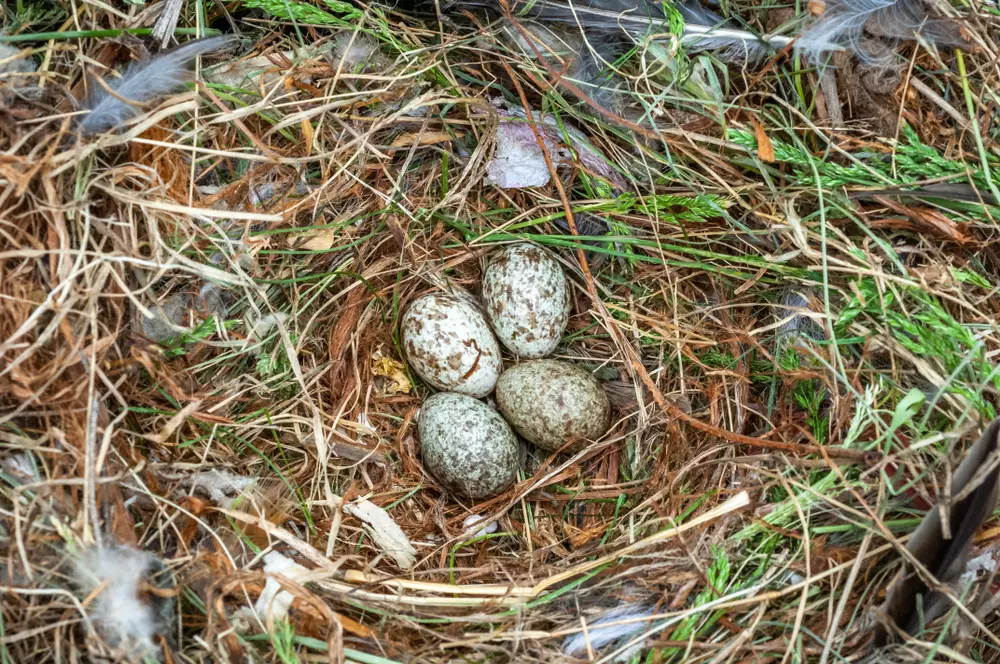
(497,591)
(737,502)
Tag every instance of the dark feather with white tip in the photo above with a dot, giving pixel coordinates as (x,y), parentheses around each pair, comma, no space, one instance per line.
(942,547)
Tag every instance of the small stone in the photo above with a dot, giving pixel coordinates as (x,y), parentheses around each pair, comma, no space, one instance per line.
(472,522)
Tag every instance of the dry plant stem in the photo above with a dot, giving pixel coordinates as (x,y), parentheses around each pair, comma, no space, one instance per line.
(828,82)
(739,643)
(570,220)
(521,593)
(807,549)
(845,596)
(722,604)
(205,90)
(938,100)
(107,88)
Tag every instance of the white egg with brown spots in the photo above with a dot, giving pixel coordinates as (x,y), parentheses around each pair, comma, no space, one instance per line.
(527,300)
(554,404)
(466,445)
(449,344)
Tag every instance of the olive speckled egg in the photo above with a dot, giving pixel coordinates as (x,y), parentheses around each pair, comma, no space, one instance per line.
(466,445)
(527,300)
(552,403)
(449,344)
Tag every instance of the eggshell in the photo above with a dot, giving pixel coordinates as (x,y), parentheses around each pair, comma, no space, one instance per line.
(527,300)
(466,445)
(552,403)
(449,344)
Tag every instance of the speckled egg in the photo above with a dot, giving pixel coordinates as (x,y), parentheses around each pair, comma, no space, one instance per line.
(527,300)
(466,445)
(553,403)
(449,344)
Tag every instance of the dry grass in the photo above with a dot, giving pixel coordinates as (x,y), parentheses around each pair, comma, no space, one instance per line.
(763,335)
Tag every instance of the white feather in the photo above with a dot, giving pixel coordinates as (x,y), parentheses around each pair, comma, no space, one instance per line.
(141,83)
(613,625)
(842,25)
(354,52)
(703,29)
(120,615)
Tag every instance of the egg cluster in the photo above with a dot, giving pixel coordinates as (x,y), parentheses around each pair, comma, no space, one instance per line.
(451,341)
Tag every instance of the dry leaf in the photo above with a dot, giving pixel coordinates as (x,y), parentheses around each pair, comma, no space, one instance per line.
(318,240)
(816,7)
(923,220)
(424,138)
(307,135)
(385,533)
(399,382)
(765,150)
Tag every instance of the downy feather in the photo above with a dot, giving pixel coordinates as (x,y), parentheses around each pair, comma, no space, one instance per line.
(841,26)
(613,625)
(141,83)
(113,578)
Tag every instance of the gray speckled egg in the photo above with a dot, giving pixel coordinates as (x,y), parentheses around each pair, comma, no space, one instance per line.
(449,344)
(527,300)
(466,445)
(552,403)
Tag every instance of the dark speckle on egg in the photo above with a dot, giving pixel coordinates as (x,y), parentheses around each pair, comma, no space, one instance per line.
(527,300)
(467,446)
(554,404)
(450,345)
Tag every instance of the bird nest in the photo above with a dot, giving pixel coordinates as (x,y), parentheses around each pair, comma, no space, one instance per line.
(209,425)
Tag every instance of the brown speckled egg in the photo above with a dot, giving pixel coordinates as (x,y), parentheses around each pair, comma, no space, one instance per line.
(527,300)
(466,445)
(449,344)
(552,403)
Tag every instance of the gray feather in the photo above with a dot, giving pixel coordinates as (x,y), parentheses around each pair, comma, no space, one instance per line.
(143,82)
(605,13)
(612,626)
(703,30)
(843,24)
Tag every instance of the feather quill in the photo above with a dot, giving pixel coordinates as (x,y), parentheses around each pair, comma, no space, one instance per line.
(703,29)
(843,24)
(143,82)
(735,44)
